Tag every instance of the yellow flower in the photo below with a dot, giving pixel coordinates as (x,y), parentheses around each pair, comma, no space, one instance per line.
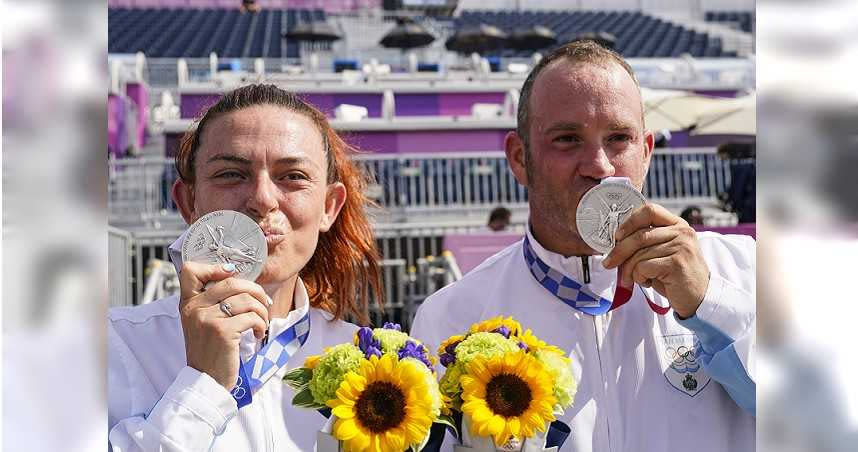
(495,323)
(387,405)
(312,361)
(450,340)
(535,344)
(507,396)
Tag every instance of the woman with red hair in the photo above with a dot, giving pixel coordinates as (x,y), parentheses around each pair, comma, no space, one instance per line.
(178,377)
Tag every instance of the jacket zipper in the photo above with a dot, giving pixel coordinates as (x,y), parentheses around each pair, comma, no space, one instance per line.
(600,338)
(585,267)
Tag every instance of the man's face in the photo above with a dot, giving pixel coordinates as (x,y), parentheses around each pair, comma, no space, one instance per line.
(585,125)
(268,163)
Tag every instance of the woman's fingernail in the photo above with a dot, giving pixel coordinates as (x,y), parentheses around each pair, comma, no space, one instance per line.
(230,267)
(270,301)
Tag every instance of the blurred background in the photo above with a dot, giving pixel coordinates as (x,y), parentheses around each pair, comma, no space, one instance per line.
(427,89)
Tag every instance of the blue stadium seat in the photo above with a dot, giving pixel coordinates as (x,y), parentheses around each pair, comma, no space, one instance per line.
(744,20)
(638,35)
(196,32)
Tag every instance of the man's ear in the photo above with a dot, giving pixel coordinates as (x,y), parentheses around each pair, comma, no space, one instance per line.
(334,201)
(649,145)
(183,196)
(514,146)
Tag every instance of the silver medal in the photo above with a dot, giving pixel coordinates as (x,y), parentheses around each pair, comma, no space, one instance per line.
(603,209)
(227,236)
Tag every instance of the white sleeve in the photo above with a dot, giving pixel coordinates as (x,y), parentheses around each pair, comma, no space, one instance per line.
(193,411)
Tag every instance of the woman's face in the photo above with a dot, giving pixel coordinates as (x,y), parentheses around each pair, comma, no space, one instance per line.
(268,163)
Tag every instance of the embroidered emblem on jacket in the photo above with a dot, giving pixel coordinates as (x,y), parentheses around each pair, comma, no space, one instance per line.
(684,371)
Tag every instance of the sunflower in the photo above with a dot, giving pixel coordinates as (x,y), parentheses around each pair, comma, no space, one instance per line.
(494,324)
(507,396)
(387,405)
(535,344)
(450,341)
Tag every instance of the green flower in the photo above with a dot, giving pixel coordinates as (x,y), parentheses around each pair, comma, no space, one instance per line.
(391,340)
(330,370)
(450,387)
(483,344)
(561,371)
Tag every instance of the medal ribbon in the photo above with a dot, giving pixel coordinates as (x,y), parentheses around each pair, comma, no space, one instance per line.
(269,359)
(573,293)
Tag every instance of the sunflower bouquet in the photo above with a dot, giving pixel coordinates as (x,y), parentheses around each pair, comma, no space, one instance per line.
(507,385)
(381,391)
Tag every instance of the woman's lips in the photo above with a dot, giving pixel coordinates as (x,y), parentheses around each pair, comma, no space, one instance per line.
(274,238)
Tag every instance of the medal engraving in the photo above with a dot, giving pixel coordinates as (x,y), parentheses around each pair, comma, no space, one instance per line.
(602,210)
(224,237)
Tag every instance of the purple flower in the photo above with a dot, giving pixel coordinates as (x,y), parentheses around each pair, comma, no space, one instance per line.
(414,350)
(392,326)
(523,346)
(372,350)
(502,330)
(366,341)
(451,348)
(447,359)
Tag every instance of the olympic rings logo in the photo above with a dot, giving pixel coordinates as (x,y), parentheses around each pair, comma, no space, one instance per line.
(682,356)
(238,392)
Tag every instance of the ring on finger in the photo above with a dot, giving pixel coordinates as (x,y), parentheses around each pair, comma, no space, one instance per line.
(225,307)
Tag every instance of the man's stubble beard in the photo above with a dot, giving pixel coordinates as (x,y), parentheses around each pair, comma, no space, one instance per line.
(558,219)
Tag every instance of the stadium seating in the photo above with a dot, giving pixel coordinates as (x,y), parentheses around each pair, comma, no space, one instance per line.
(743,19)
(185,32)
(327,5)
(638,35)
(195,33)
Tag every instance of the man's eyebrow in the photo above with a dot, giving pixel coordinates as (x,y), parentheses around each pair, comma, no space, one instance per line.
(229,158)
(572,126)
(563,126)
(621,126)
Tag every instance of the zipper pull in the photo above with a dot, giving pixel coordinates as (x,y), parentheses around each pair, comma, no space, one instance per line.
(585,265)
(265,339)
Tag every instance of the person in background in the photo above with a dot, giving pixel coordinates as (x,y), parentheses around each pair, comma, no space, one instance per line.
(499,219)
(692,215)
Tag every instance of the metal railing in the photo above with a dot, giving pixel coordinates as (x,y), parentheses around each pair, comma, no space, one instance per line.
(673,73)
(120,277)
(408,186)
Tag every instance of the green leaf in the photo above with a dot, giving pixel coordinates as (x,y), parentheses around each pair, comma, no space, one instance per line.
(449,422)
(304,399)
(298,378)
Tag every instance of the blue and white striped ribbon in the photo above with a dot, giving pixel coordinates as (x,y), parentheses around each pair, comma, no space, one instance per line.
(265,363)
(564,288)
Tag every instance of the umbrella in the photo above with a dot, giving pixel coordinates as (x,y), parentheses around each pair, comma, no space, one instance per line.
(673,109)
(479,38)
(602,38)
(406,35)
(533,38)
(732,117)
(313,31)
